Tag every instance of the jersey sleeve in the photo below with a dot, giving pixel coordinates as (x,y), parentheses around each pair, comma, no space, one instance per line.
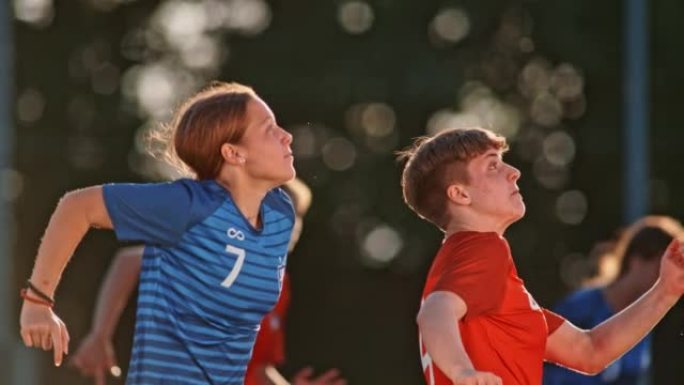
(477,273)
(553,320)
(153,213)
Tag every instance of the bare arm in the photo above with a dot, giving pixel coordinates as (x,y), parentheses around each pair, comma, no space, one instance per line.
(95,356)
(75,214)
(590,351)
(116,290)
(437,321)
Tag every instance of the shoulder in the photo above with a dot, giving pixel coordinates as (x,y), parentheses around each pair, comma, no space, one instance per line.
(278,200)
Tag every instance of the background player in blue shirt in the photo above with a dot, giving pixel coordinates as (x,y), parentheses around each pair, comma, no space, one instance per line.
(215,246)
(639,249)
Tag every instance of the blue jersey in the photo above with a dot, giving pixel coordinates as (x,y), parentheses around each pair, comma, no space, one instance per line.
(207,278)
(587,308)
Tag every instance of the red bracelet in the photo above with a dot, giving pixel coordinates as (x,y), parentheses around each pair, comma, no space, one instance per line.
(23,293)
(39,293)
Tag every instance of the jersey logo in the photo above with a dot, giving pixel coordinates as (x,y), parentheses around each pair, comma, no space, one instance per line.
(235,234)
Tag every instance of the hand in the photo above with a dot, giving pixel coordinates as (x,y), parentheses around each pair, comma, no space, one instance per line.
(672,268)
(41,328)
(95,357)
(473,377)
(305,377)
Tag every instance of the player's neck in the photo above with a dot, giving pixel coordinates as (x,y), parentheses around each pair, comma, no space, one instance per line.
(477,223)
(247,198)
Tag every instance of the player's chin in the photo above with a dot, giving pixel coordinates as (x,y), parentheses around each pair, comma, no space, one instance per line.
(285,175)
(520,210)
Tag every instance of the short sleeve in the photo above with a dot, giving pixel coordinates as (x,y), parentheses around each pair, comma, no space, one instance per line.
(154,213)
(553,320)
(476,270)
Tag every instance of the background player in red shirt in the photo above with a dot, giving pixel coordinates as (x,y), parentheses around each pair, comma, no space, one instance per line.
(478,324)
(95,355)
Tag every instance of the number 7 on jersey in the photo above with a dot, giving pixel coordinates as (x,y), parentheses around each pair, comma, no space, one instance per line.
(232,276)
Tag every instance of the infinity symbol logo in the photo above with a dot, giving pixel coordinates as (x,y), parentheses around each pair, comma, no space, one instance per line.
(236,234)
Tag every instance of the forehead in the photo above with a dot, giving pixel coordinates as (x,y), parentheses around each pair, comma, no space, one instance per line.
(258,110)
(489,154)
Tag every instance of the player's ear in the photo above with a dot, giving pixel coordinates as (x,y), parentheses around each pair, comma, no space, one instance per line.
(231,154)
(458,194)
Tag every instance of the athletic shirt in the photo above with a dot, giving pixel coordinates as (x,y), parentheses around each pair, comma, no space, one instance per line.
(207,278)
(269,348)
(587,308)
(504,331)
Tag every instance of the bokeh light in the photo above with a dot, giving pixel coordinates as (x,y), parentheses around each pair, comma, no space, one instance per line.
(355,17)
(559,148)
(574,268)
(571,207)
(381,245)
(30,106)
(449,26)
(566,82)
(374,124)
(247,17)
(546,110)
(11,184)
(549,175)
(339,154)
(38,13)
(479,107)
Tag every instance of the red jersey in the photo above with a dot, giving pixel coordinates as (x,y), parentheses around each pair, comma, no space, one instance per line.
(504,331)
(269,348)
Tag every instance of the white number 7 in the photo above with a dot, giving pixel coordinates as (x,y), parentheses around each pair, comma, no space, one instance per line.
(232,276)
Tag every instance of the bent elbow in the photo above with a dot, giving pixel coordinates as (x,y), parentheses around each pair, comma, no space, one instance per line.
(592,365)
(421,317)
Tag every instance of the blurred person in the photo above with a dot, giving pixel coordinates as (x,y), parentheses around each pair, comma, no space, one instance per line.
(215,245)
(638,250)
(477,322)
(95,356)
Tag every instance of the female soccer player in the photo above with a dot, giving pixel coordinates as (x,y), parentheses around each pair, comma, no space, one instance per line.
(215,246)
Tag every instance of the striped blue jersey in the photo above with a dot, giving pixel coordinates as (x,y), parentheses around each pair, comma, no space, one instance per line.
(207,279)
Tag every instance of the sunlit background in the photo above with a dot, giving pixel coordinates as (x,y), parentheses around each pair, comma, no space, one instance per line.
(354,82)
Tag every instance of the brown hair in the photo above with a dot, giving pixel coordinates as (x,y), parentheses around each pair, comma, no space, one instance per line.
(201,125)
(647,239)
(433,163)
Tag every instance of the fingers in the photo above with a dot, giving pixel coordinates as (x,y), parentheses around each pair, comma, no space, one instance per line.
(36,338)
(46,341)
(26,337)
(58,343)
(64,334)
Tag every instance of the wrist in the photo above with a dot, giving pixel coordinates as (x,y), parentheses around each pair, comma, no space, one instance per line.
(35,301)
(664,294)
(101,333)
